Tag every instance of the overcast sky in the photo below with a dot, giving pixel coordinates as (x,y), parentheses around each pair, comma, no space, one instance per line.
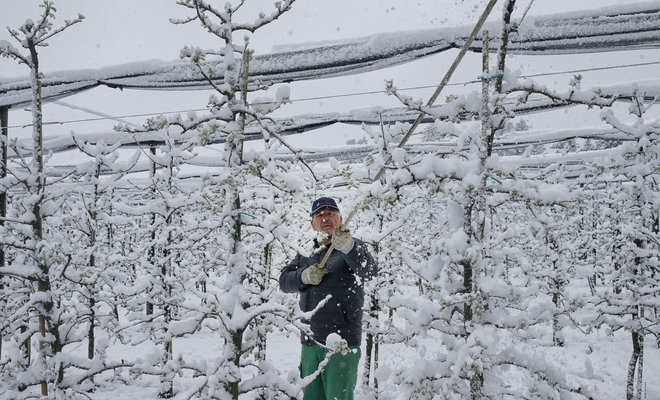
(123,31)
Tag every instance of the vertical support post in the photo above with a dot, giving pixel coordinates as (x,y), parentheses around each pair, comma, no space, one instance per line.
(152,250)
(485,106)
(486,140)
(4,127)
(477,210)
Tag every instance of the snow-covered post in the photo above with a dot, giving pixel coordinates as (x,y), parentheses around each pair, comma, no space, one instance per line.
(149,306)
(32,35)
(4,138)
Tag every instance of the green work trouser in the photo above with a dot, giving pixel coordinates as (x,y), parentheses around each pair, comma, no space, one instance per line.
(337,380)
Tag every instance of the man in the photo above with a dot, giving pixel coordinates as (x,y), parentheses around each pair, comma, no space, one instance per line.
(342,277)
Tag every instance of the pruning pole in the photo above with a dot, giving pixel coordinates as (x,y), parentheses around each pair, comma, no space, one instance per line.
(418,120)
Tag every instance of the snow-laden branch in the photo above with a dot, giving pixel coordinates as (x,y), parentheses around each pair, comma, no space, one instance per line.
(225,16)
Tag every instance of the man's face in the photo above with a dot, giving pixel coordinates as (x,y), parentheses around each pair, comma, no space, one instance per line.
(326,220)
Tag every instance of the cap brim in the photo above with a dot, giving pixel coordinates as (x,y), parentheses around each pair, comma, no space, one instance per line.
(322,207)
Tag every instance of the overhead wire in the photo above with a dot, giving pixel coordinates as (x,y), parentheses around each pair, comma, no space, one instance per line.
(332,96)
(525,12)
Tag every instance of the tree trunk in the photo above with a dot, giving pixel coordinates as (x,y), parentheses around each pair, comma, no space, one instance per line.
(262,340)
(26,347)
(501,54)
(152,250)
(376,354)
(168,385)
(371,349)
(232,386)
(467,288)
(235,162)
(476,386)
(640,369)
(633,366)
(557,335)
(368,350)
(475,223)
(90,329)
(93,234)
(50,346)
(165,295)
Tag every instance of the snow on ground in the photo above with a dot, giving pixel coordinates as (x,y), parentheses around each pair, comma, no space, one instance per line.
(601,356)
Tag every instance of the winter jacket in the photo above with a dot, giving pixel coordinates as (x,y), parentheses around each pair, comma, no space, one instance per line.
(344,281)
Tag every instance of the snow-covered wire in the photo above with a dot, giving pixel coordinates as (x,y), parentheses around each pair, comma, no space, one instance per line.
(340,95)
(525,12)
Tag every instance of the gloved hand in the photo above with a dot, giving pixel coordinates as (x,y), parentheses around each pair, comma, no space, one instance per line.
(342,241)
(313,275)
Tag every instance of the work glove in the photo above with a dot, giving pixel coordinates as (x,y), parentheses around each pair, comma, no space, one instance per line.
(312,275)
(342,241)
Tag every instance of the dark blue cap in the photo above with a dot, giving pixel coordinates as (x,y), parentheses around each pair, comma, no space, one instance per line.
(323,202)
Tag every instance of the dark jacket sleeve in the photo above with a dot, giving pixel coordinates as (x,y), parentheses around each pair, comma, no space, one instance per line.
(360,260)
(290,277)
